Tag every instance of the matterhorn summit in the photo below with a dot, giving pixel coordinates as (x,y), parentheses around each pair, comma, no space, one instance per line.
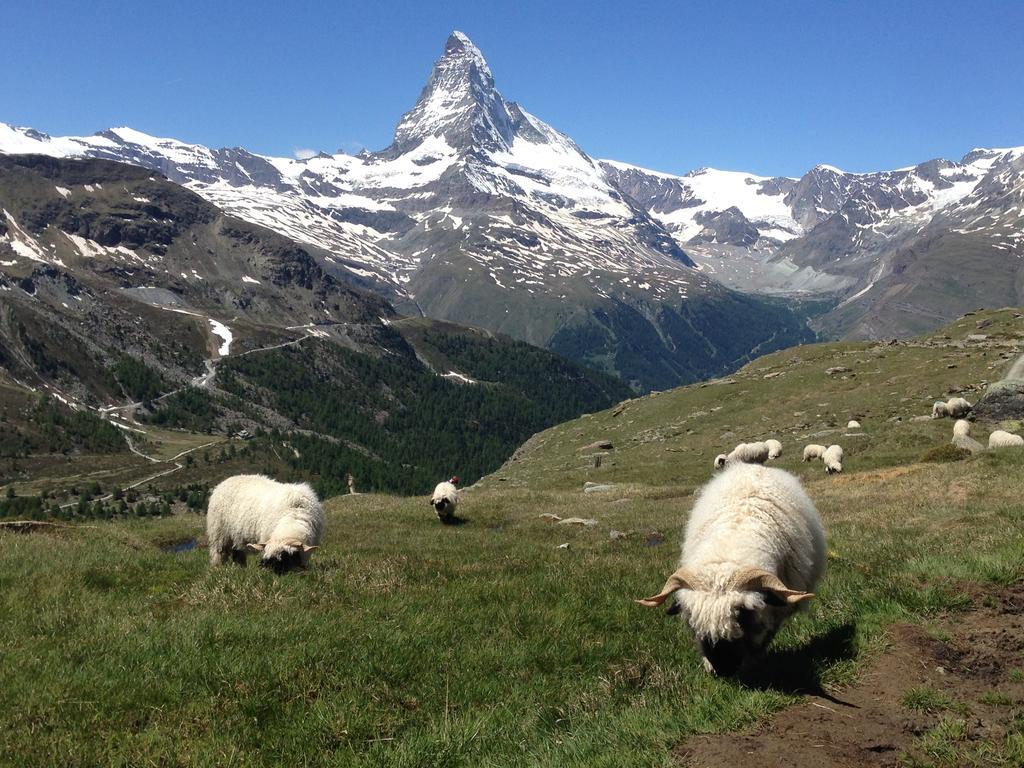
(458,103)
(482,214)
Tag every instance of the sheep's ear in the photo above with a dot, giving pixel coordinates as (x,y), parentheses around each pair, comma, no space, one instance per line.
(760,580)
(256,547)
(307,548)
(681,579)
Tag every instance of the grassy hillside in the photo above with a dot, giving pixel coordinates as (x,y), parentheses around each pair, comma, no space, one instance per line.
(671,438)
(408,643)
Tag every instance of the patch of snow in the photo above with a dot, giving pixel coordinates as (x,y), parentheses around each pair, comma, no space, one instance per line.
(221,330)
(459,377)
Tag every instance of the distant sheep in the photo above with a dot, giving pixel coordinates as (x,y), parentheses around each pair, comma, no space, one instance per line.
(962,428)
(446,500)
(958,407)
(774,448)
(283,521)
(1001,439)
(744,453)
(813,452)
(955,407)
(833,458)
(753,552)
(853,424)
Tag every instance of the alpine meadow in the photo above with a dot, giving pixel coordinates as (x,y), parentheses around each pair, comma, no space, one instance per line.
(485,448)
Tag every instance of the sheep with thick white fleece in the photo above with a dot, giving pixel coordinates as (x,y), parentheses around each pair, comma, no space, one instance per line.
(753,552)
(853,424)
(958,407)
(445,500)
(774,448)
(962,428)
(813,452)
(955,408)
(744,453)
(833,458)
(283,521)
(1001,439)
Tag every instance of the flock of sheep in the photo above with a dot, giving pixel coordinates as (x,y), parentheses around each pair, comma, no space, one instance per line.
(957,408)
(753,552)
(284,522)
(766,450)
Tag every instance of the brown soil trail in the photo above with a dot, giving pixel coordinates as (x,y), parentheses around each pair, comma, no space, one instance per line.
(977,661)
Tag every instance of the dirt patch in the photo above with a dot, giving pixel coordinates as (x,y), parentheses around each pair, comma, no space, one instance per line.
(970,661)
(876,475)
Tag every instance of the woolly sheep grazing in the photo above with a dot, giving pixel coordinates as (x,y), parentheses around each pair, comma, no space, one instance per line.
(283,521)
(813,452)
(753,552)
(445,500)
(853,424)
(774,448)
(962,428)
(957,407)
(1001,439)
(833,458)
(744,453)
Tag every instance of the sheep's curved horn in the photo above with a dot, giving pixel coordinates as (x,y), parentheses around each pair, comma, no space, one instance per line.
(759,579)
(307,548)
(681,579)
(256,547)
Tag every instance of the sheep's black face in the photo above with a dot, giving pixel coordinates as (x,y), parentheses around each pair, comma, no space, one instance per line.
(728,656)
(441,506)
(283,562)
(725,656)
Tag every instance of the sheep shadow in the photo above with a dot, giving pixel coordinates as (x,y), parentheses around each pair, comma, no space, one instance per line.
(454,520)
(795,671)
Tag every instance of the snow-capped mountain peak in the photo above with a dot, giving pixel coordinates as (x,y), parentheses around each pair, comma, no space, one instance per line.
(459,103)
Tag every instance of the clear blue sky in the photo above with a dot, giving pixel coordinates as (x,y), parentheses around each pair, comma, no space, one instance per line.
(766,86)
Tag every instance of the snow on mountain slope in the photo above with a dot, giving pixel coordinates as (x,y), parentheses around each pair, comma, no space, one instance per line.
(686,201)
(830,232)
(483,214)
(465,166)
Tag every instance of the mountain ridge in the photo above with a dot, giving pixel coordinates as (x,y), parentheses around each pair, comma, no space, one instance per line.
(482,214)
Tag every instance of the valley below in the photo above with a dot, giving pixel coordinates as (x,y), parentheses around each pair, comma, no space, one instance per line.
(121,649)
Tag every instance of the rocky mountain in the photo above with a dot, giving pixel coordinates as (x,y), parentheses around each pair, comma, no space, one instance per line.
(482,214)
(128,297)
(889,248)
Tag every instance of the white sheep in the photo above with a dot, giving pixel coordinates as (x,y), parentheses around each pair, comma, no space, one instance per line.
(958,407)
(774,448)
(962,428)
(955,407)
(445,500)
(283,521)
(853,424)
(1001,439)
(813,452)
(833,458)
(753,553)
(744,453)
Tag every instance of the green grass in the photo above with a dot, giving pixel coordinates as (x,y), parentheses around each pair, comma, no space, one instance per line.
(408,643)
(927,699)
